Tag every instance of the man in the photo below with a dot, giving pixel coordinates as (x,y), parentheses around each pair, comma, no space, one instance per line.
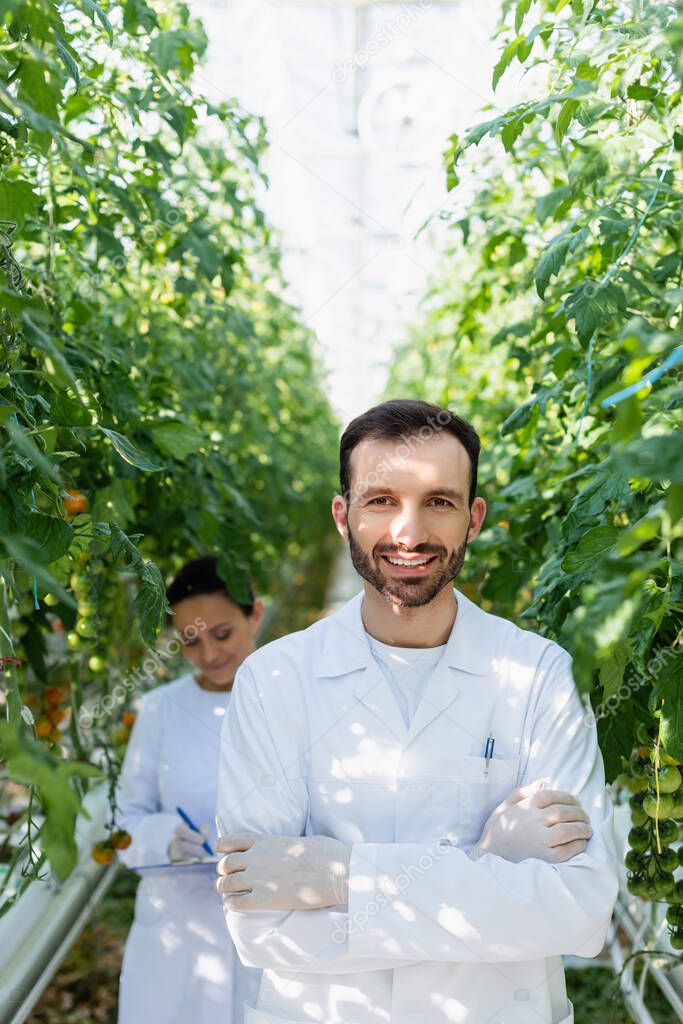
(391,855)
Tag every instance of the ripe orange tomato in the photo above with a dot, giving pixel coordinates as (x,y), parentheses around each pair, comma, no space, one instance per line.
(121,839)
(55,694)
(128,718)
(75,502)
(102,853)
(43,728)
(56,715)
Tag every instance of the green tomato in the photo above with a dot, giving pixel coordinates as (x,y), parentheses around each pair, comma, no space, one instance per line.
(19,628)
(73,641)
(26,606)
(636,785)
(638,815)
(667,860)
(4,380)
(96,663)
(677,894)
(666,804)
(669,779)
(639,839)
(663,885)
(51,600)
(637,884)
(677,809)
(635,861)
(674,916)
(86,628)
(680,856)
(676,939)
(668,831)
(639,767)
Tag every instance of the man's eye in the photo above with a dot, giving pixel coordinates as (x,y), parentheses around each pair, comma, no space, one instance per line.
(444,500)
(186,642)
(224,636)
(373,501)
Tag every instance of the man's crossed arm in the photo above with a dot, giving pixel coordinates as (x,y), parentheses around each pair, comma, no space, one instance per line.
(260,872)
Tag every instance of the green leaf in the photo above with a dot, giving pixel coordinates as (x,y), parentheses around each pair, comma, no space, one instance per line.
(656,458)
(17,200)
(166,49)
(505,60)
(52,535)
(129,453)
(178,440)
(636,91)
(668,687)
(150,603)
(642,532)
(551,263)
(30,764)
(138,14)
(564,119)
(521,12)
(592,305)
(97,13)
(612,670)
(234,575)
(27,446)
(28,557)
(66,57)
(548,205)
(591,549)
(113,503)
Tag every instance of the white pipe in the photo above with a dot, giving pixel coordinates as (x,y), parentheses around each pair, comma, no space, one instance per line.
(46,919)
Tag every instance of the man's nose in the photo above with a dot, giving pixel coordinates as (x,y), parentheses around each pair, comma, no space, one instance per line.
(407,529)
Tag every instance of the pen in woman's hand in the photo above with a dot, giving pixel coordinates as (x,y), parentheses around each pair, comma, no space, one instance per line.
(190,824)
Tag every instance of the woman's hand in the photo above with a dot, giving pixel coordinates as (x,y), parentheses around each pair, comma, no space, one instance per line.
(185,844)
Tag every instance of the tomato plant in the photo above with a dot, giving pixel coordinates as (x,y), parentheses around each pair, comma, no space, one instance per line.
(555,326)
(159,397)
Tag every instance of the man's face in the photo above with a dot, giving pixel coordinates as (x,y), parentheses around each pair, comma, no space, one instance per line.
(409,505)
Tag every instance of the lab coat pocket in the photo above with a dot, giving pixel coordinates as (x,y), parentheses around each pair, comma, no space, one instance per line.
(464,797)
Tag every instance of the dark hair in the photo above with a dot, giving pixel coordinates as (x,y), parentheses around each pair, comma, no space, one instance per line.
(200,576)
(401,419)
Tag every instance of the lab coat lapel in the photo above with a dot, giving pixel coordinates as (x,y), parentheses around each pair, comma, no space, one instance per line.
(374,692)
(346,649)
(439,694)
(469,653)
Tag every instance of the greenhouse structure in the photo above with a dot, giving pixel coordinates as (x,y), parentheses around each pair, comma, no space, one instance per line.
(341,511)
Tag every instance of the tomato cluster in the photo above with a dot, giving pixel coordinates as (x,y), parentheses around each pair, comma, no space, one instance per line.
(49,712)
(104,851)
(656,812)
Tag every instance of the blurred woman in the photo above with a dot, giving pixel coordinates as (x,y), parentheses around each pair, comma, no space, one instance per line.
(180,964)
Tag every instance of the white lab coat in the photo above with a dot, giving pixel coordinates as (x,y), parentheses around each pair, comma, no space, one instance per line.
(314,744)
(179,964)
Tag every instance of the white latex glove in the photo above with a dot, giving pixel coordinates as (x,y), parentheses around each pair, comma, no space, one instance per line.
(185,843)
(546,824)
(283,872)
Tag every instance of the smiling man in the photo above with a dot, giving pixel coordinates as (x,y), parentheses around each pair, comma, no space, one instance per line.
(391,854)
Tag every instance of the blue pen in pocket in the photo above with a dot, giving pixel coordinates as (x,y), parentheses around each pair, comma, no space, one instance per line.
(190,824)
(488,752)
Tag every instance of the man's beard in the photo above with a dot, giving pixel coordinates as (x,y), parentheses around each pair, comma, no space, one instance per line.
(412,592)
